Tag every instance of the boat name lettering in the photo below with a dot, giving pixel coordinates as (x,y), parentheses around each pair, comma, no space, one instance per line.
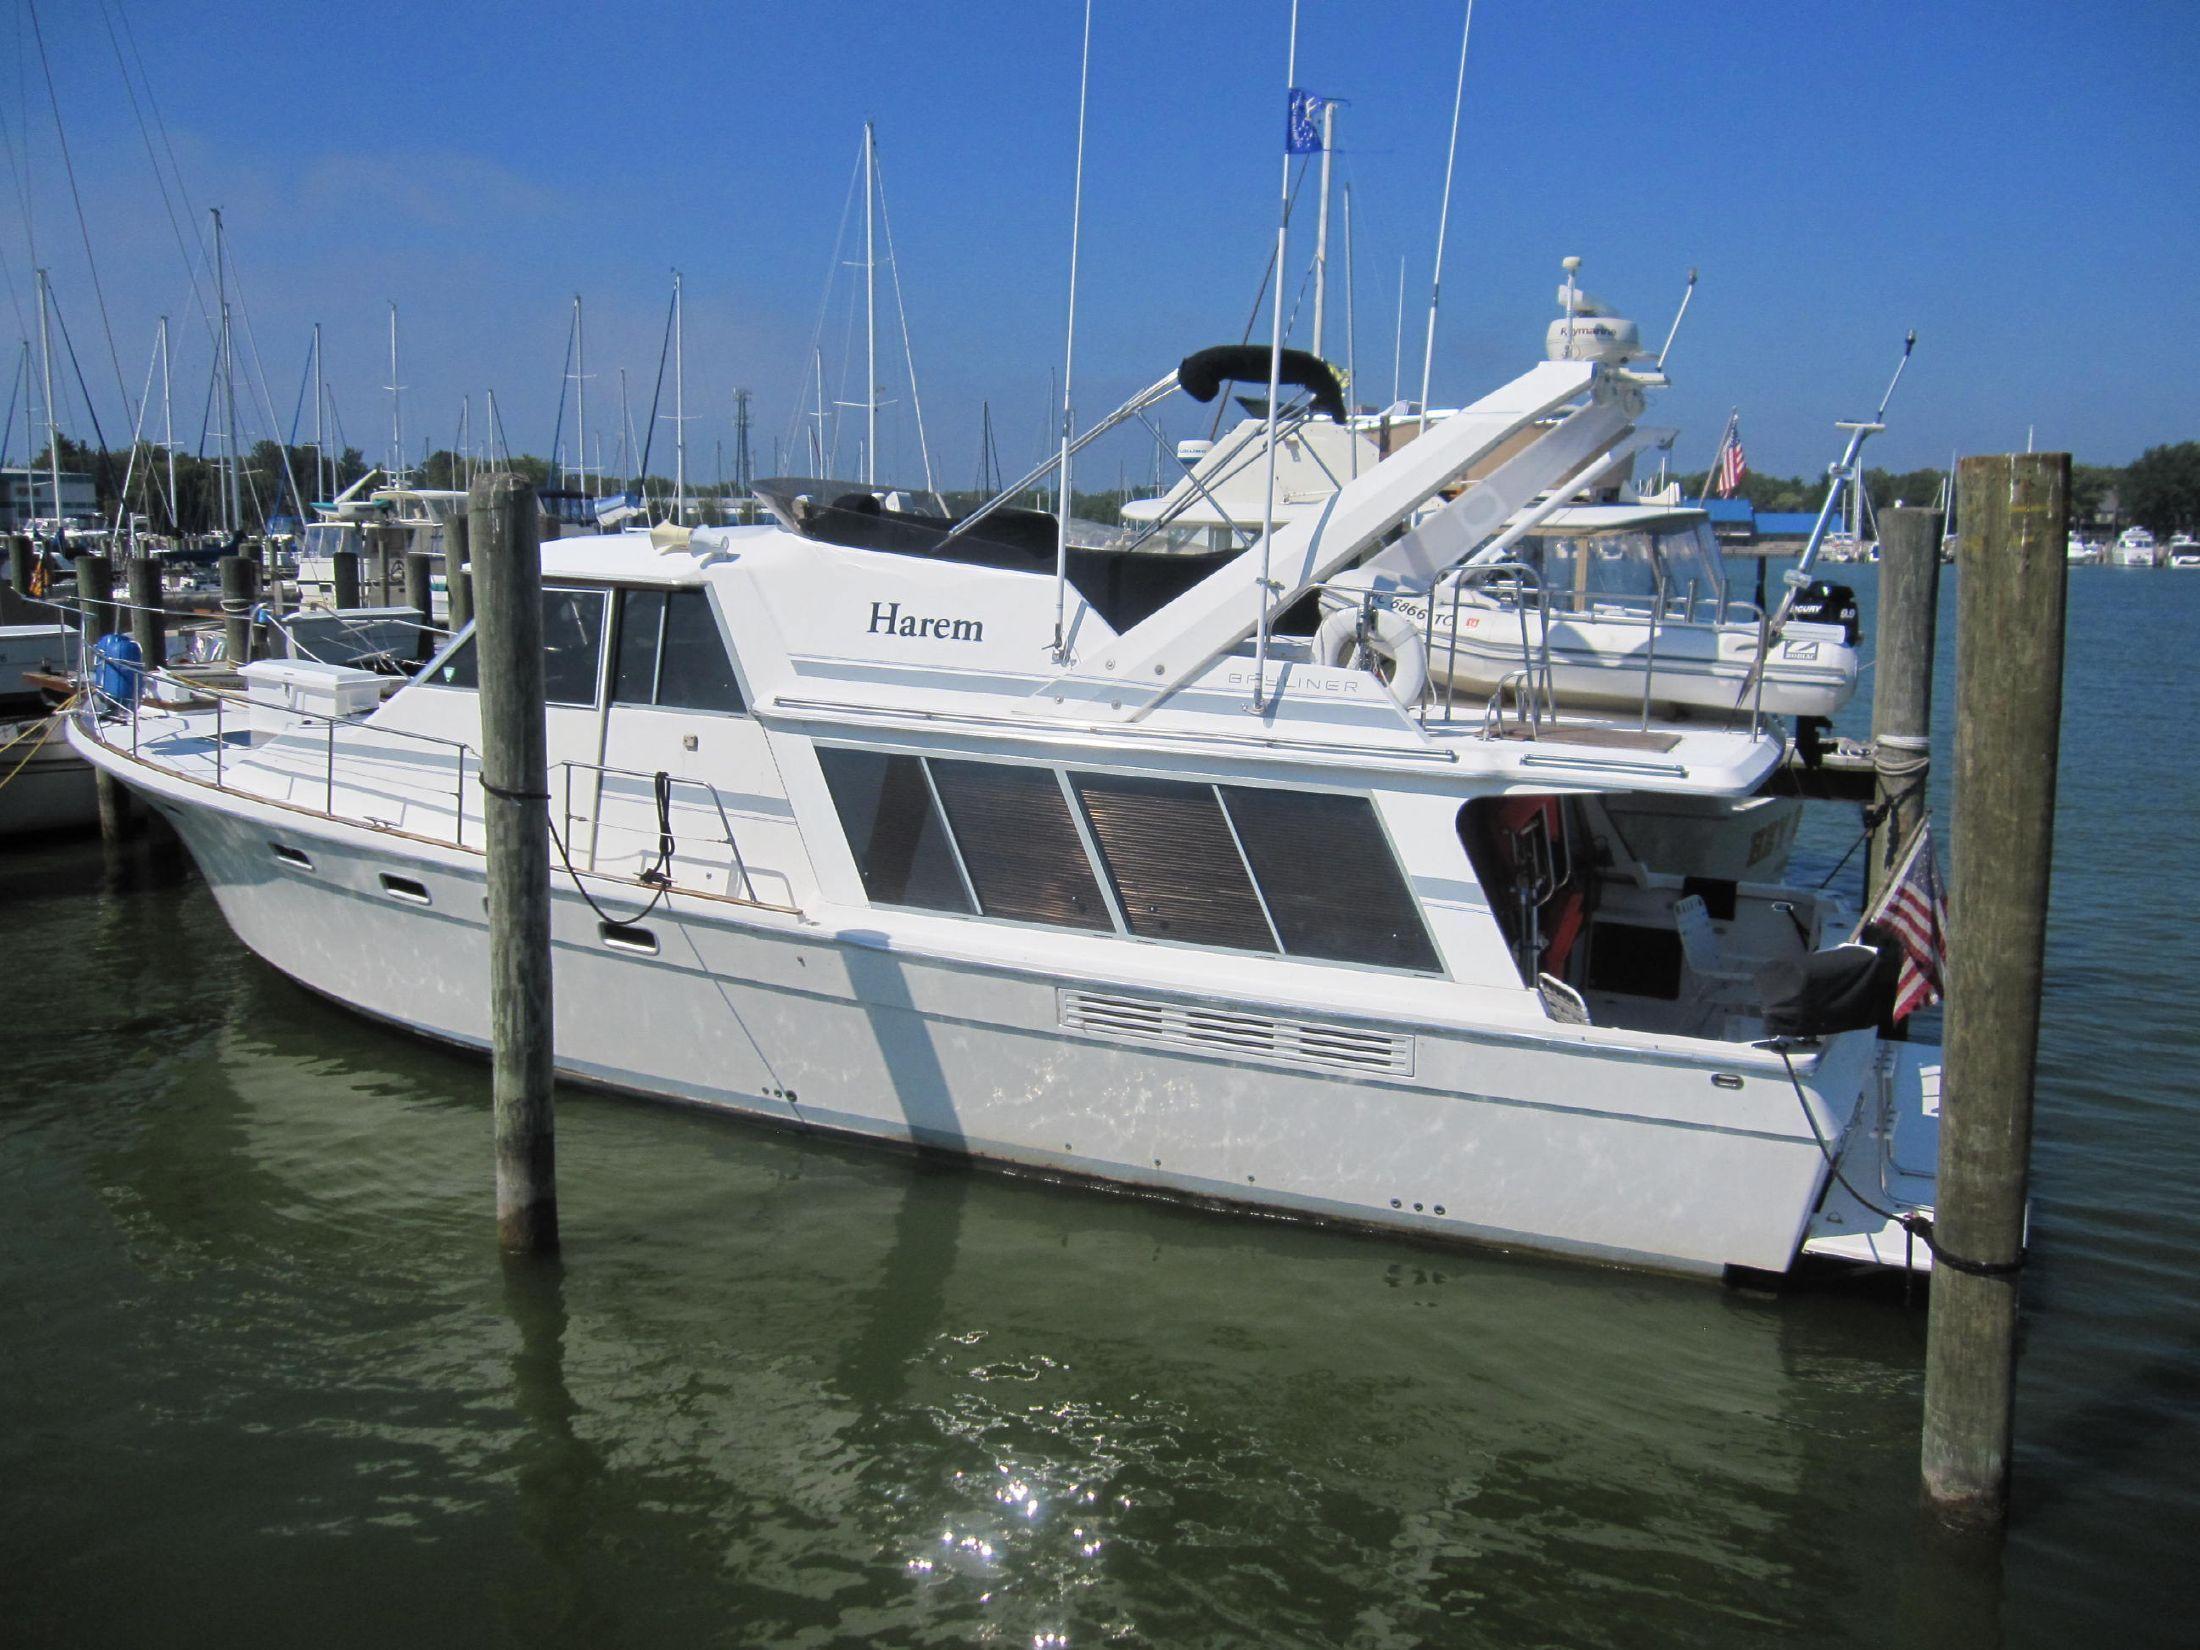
(887,619)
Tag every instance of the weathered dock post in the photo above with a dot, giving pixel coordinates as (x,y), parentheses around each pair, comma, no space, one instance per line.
(343,579)
(2009,665)
(385,544)
(240,588)
(420,597)
(1902,692)
(458,577)
(148,612)
(22,557)
(95,596)
(515,784)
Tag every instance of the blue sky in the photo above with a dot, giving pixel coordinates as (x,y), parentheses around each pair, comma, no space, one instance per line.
(2014,180)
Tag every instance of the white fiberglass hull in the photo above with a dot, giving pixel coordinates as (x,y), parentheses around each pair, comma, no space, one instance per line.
(44,784)
(1687,1161)
(1609,663)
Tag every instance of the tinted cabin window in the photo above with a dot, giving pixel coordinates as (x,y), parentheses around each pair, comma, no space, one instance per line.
(899,841)
(572,638)
(1332,885)
(457,668)
(641,643)
(572,645)
(696,674)
(1020,844)
(1176,869)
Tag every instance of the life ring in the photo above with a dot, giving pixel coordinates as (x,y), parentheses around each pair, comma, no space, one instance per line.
(1377,639)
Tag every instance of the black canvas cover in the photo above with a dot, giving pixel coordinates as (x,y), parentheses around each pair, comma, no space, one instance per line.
(1847,988)
(1202,375)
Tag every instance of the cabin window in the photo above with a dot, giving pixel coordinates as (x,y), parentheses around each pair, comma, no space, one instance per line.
(1020,844)
(641,645)
(1174,862)
(572,645)
(1331,884)
(696,674)
(894,829)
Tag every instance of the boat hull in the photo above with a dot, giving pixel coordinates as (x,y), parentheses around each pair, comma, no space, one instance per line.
(1544,1141)
(1693,669)
(45,786)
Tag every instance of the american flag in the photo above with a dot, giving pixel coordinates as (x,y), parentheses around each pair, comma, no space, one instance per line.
(1915,909)
(1732,465)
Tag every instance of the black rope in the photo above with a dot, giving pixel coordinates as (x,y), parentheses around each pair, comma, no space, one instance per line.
(514,796)
(659,874)
(1875,815)
(1912,1221)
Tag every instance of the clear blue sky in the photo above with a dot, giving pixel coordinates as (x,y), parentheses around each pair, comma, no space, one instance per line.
(2016,180)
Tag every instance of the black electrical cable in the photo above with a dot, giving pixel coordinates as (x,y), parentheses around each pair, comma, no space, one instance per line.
(1916,1224)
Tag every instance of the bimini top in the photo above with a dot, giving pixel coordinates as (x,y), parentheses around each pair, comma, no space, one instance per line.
(1122,586)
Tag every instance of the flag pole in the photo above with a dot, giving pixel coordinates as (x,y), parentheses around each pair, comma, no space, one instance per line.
(1275,374)
(1703,493)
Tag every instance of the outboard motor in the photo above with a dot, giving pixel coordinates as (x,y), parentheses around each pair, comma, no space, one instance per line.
(1821,602)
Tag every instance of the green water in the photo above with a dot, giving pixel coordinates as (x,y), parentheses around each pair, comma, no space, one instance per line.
(265,1380)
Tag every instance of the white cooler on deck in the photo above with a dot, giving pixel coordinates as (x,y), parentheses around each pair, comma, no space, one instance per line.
(287,694)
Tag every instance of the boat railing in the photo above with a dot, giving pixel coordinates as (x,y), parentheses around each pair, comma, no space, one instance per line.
(737,862)
(99,707)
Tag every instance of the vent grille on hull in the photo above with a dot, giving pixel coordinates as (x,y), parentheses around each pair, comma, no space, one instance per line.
(1225,1031)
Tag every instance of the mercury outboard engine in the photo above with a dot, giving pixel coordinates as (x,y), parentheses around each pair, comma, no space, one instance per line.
(1821,602)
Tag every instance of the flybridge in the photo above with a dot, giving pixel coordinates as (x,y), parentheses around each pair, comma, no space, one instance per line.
(887,619)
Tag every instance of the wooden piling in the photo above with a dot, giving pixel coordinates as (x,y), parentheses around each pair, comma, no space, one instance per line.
(344,579)
(420,597)
(515,783)
(1902,691)
(95,595)
(458,578)
(148,616)
(22,557)
(2009,662)
(240,587)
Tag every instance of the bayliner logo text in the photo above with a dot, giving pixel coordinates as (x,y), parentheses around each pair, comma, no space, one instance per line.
(887,619)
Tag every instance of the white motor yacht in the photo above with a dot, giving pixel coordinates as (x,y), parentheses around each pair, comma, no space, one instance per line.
(868,823)
(2136,547)
(2182,551)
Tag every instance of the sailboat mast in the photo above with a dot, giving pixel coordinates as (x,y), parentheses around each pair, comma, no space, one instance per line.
(679,408)
(53,439)
(232,503)
(320,434)
(1351,315)
(870,308)
(397,405)
(1321,223)
(580,388)
(168,432)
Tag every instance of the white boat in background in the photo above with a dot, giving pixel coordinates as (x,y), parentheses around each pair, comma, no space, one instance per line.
(45,785)
(2083,552)
(2182,551)
(871,823)
(420,511)
(2135,547)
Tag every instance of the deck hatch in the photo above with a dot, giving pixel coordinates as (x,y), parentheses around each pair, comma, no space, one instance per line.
(1233,1031)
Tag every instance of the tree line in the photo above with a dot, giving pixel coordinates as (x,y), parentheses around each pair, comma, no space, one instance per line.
(2159,490)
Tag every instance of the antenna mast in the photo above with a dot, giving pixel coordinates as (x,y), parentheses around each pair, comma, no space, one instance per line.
(870,309)
(679,408)
(397,402)
(1321,221)
(53,439)
(1443,216)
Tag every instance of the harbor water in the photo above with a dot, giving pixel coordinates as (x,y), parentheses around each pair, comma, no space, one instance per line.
(265,1379)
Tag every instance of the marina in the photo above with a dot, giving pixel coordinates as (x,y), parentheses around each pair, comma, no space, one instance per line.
(1551,1010)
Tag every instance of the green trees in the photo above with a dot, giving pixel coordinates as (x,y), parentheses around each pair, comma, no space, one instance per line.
(2161,489)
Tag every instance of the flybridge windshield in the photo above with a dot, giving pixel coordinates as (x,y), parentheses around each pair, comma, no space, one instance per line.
(1628,569)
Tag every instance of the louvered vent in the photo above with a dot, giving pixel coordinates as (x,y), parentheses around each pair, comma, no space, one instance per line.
(1224,1031)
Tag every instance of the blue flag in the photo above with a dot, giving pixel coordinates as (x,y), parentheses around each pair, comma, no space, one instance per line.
(1302,128)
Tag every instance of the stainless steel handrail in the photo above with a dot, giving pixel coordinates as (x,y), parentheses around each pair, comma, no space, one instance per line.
(717,802)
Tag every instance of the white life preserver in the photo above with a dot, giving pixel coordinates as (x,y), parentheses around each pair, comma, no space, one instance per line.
(1389,645)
